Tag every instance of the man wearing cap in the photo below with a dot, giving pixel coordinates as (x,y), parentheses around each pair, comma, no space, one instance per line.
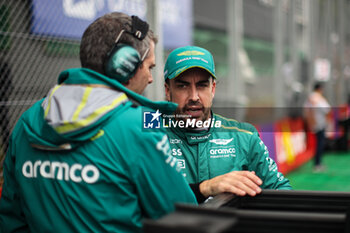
(215,153)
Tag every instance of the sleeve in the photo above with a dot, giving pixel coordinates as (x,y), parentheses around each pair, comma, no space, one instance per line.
(199,196)
(159,181)
(265,167)
(11,214)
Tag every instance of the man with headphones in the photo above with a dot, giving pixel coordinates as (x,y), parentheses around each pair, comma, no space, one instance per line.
(79,160)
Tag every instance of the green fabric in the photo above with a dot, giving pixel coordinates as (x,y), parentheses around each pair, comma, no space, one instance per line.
(184,58)
(235,146)
(107,183)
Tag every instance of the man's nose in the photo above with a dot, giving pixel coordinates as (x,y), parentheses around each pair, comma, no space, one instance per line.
(150,79)
(194,95)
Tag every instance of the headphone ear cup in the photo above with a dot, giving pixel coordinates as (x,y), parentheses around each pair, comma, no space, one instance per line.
(122,62)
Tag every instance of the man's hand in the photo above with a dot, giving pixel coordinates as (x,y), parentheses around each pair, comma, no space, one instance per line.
(236,182)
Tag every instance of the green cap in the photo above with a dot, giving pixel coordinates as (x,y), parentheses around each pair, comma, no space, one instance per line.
(184,58)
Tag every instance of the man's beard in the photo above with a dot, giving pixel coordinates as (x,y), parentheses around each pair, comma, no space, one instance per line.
(185,112)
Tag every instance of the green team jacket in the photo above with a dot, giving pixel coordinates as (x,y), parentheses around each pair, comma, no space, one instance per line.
(79,161)
(234,146)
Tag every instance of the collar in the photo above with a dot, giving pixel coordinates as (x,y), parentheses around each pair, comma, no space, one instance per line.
(194,136)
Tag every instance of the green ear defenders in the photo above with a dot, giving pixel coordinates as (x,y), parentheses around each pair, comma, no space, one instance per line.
(123,60)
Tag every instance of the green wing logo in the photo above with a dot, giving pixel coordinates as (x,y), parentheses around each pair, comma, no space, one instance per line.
(190,52)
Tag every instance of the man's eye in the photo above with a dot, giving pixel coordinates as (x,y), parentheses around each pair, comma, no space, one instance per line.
(203,85)
(181,85)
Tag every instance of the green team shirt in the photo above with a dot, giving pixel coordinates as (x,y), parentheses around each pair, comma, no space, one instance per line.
(234,146)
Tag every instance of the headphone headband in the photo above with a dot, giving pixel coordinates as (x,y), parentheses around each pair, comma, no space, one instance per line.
(121,33)
(123,60)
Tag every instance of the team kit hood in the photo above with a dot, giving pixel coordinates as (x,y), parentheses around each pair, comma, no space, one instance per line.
(72,114)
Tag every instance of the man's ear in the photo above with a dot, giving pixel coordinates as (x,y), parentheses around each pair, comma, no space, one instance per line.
(213,89)
(167,91)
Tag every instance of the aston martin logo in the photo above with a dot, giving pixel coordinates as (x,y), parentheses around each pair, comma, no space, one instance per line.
(190,52)
(221,141)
